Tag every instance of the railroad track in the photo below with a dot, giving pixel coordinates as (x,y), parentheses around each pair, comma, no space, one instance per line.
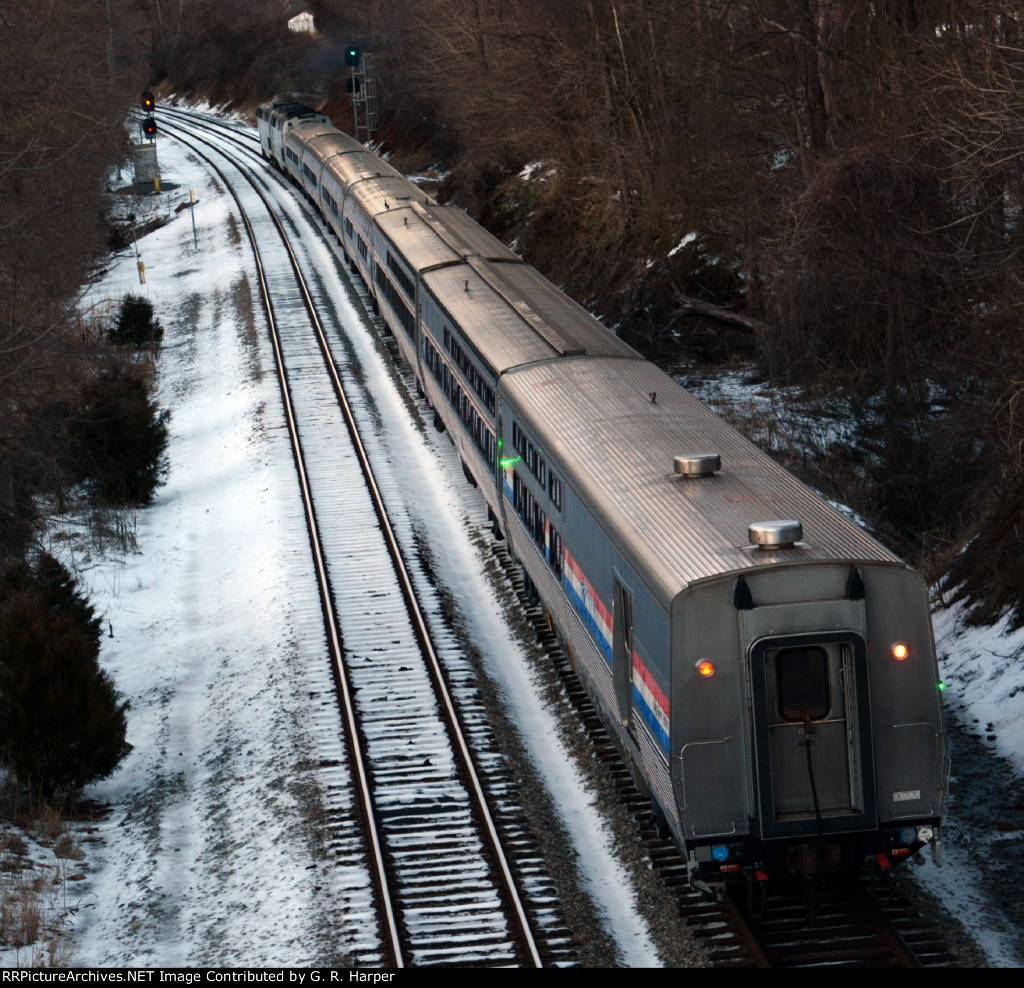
(452,881)
(851,923)
(848,926)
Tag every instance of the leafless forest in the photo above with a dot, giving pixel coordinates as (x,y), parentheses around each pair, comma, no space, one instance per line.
(850,173)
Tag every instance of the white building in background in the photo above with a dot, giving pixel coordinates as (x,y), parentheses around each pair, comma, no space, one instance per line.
(302,22)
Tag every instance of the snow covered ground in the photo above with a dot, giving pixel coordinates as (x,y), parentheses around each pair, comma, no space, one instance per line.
(212,853)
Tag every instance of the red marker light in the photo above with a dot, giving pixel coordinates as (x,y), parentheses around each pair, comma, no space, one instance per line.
(899,651)
(706,668)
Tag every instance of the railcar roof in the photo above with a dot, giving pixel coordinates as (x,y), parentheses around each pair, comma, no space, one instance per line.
(361,164)
(458,228)
(598,422)
(380,193)
(428,235)
(326,146)
(501,337)
(506,330)
(307,130)
(290,109)
(416,240)
(580,331)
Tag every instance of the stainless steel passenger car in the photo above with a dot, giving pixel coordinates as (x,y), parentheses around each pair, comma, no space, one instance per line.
(766,667)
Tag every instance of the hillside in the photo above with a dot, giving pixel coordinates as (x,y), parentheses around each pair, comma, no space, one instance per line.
(827,192)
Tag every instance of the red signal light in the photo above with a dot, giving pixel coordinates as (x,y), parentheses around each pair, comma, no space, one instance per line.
(706,668)
(149,127)
(899,651)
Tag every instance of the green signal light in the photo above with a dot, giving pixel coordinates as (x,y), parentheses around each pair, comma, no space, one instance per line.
(942,686)
(510,462)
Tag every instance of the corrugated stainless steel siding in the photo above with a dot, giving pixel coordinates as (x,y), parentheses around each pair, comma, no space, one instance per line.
(595,420)
(656,771)
(587,657)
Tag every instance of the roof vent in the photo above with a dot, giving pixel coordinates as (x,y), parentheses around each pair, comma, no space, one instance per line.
(698,464)
(775,534)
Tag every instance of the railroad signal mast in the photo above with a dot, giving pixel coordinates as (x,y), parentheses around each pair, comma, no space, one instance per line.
(147,170)
(362,87)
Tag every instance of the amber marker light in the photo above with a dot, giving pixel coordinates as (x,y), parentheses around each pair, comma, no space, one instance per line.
(899,651)
(706,668)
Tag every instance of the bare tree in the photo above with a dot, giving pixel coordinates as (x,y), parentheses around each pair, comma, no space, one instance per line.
(61,118)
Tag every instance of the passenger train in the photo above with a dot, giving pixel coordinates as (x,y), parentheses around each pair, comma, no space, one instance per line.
(766,667)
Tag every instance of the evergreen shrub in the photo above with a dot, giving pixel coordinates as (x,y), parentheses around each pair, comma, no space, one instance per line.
(62,721)
(136,325)
(120,437)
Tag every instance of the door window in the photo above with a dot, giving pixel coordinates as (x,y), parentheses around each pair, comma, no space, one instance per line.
(802,684)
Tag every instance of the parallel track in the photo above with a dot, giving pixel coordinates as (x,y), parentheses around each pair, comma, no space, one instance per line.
(848,927)
(446,890)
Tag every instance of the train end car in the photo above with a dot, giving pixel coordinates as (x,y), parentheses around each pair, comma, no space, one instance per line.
(822,694)
(767,667)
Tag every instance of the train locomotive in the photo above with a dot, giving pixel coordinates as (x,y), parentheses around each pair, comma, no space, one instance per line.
(766,667)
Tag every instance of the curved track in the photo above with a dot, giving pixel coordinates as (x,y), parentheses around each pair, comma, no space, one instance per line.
(846,927)
(446,890)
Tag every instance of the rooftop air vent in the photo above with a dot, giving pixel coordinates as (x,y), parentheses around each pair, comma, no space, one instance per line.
(775,534)
(698,464)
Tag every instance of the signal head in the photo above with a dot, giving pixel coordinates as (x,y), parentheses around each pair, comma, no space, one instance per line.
(148,101)
(352,55)
(149,127)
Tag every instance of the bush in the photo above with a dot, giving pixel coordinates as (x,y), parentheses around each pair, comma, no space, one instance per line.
(50,579)
(62,721)
(136,325)
(120,437)
(988,574)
